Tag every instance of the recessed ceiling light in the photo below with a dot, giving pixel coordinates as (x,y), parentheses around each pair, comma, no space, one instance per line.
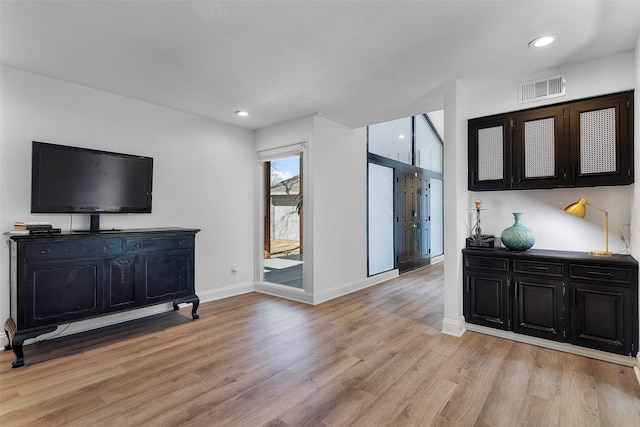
(401,136)
(542,41)
(242,113)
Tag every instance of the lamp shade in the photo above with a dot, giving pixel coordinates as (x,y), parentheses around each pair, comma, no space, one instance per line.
(578,208)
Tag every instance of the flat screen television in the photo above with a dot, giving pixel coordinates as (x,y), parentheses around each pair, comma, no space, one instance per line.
(80,180)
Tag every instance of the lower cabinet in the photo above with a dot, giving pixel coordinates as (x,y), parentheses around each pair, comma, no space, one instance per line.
(61,291)
(66,277)
(538,308)
(487,301)
(602,318)
(556,295)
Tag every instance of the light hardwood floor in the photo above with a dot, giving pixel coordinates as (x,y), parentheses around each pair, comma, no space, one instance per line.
(375,357)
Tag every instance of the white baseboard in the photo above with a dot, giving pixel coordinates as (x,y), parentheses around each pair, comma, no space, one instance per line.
(436,260)
(455,327)
(348,288)
(226,292)
(553,345)
(282,291)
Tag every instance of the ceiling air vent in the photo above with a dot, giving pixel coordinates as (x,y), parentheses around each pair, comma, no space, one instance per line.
(536,90)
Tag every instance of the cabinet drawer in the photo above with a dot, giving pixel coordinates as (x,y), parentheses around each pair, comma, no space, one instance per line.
(541,268)
(602,274)
(59,250)
(160,244)
(487,263)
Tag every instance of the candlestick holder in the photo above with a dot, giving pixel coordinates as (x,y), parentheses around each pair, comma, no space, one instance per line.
(477,239)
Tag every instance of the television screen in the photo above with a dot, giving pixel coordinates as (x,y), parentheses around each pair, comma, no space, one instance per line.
(79,180)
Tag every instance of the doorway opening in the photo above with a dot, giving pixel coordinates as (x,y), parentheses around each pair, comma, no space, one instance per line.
(405,194)
(283,221)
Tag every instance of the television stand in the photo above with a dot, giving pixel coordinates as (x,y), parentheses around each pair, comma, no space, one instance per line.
(94,223)
(71,276)
(104,230)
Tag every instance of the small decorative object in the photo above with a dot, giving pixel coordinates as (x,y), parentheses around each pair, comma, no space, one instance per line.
(518,237)
(476,231)
(477,239)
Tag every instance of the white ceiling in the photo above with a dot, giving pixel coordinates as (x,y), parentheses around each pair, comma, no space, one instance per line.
(355,62)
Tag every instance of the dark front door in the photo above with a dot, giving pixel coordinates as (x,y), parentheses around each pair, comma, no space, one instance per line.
(412,220)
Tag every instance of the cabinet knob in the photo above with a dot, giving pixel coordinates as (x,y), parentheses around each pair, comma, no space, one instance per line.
(105,248)
(138,245)
(181,243)
(44,252)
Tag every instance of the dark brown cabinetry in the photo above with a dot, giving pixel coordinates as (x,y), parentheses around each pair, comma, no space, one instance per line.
(601,140)
(562,296)
(577,144)
(539,298)
(62,278)
(487,291)
(611,292)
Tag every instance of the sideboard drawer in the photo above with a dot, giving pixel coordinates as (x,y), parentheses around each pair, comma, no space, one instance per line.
(541,268)
(486,262)
(160,244)
(601,274)
(59,250)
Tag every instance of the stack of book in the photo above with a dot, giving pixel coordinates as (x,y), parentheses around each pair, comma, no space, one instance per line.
(34,227)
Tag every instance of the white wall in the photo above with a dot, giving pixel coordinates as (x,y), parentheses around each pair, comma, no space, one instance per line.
(552,227)
(543,209)
(455,203)
(203,170)
(605,75)
(340,207)
(284,134)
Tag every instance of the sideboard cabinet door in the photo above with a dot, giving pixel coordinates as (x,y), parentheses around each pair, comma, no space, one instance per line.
(168,275)
(486,297)
(538,308)
(602,317)
(61,291)
(122,276)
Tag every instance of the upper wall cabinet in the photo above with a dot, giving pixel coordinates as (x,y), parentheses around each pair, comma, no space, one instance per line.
(578,144)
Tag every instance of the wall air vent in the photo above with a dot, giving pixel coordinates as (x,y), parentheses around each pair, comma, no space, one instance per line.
(536,90)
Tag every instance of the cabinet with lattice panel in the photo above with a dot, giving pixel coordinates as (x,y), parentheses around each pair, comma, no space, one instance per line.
(540,154)
(490,153)
(577,144)
(601,140)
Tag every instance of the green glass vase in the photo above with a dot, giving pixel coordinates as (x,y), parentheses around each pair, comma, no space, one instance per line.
(518,237)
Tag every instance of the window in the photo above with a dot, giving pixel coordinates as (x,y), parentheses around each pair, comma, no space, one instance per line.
(393,140)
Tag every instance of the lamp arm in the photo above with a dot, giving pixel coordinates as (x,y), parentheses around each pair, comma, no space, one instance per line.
(606,226)
(595,207)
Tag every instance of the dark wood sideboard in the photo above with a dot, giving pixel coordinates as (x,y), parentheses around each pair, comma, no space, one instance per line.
(572,297)
(66,277)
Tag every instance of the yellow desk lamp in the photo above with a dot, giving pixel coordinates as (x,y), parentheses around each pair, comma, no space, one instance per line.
(580,209)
